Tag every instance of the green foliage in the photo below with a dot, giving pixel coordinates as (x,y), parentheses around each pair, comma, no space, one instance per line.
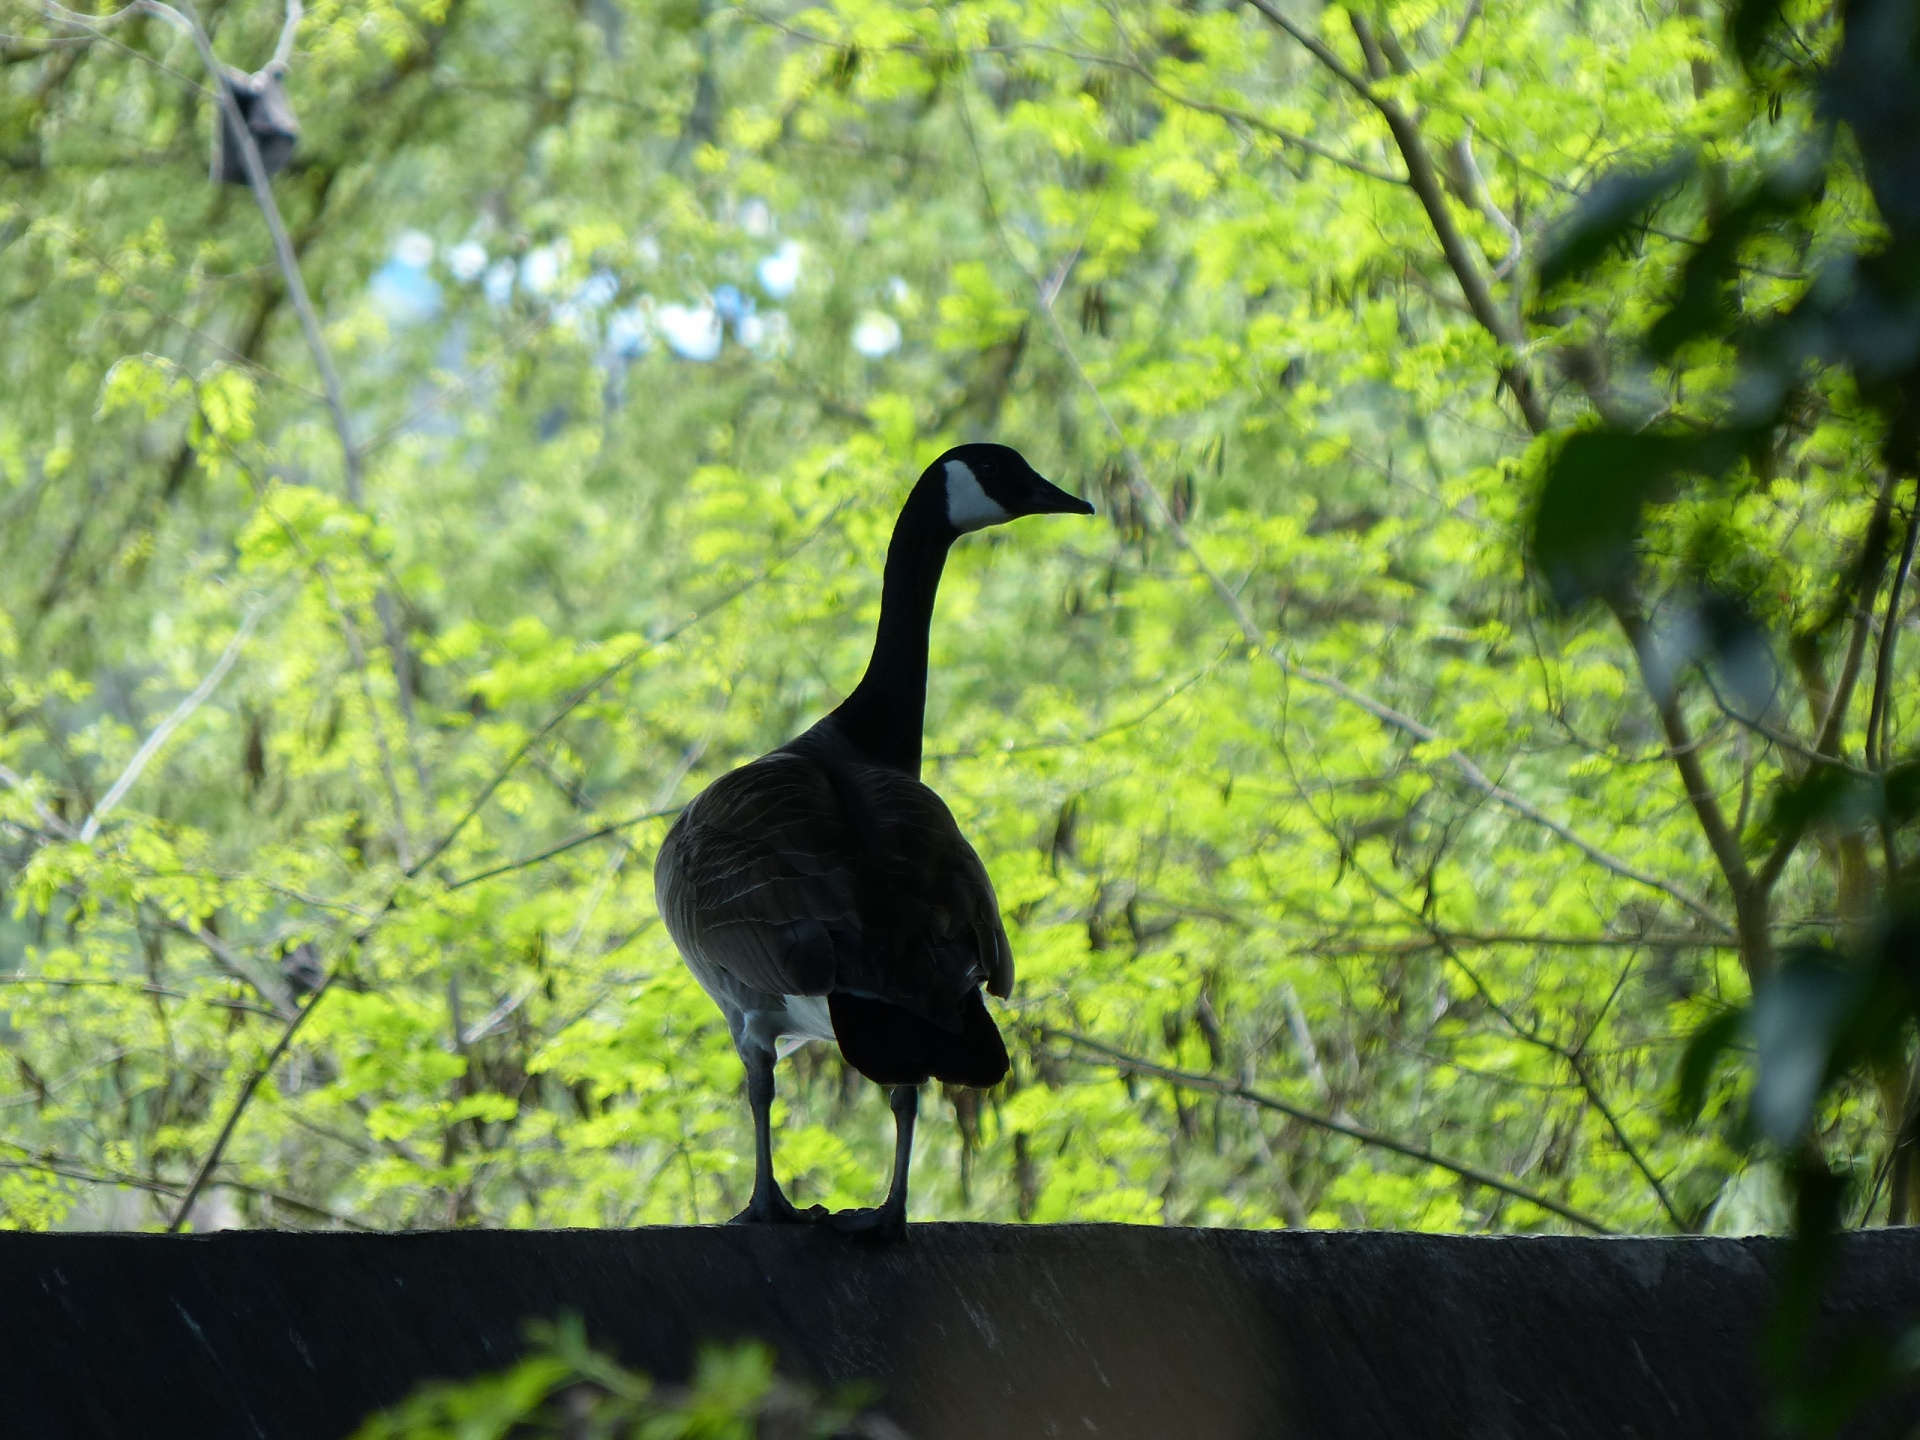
(564,1388)
(1748,371)
(1285,775)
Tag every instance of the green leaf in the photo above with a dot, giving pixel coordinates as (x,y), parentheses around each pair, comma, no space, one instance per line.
(1748,22)
(1613,206)
(1598,485)
(1702,1055)
(1704,305)
(1901,789)
(1798,1015)
(1826,795)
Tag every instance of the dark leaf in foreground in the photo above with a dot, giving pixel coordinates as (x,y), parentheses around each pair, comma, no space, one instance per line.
(1798,1016)
(1597,488)
(1827,795)
(1604,215)
(1703,1052)
(1748,22)
(1704,306)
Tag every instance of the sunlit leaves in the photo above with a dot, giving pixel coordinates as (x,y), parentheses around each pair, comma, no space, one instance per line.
(1202,856)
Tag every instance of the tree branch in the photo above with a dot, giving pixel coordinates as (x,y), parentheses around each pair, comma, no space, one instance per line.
(1834,722)
(74,1170)
(129,776)
(277,995)
(403,842)
(580,696)
(1575,1060)
(1460,256)
(245,1096)
(1749,899)
(1318,49)
(572,843)
(51,821)
(1437,939)
(1265,127)
(283,49)
(1876,747)
(1873,564)
(1216,1085)
(262,188)
(1143,489)
(1463,764)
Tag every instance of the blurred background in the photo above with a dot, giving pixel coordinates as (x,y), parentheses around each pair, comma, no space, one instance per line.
(1350,881)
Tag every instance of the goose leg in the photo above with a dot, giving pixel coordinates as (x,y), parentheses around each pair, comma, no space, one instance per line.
(769,1205)
(889,1222)
(906,1109)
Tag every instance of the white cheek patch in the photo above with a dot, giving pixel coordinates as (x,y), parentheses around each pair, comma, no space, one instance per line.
(968,506)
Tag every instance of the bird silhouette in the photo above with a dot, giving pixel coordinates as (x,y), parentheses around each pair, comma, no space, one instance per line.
(822,892)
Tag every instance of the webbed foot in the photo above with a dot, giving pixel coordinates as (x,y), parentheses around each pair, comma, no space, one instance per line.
(777,1210)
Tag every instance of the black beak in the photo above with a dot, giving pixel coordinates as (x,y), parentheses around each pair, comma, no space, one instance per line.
(1049,499)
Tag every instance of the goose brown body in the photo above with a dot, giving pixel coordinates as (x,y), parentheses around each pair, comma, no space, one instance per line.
(822,892)
(813,872)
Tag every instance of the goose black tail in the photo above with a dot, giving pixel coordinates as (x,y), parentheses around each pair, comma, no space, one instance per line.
(892,1046)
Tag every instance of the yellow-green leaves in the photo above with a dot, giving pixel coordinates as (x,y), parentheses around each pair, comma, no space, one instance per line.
(145,384)
(588,573)
(976,312)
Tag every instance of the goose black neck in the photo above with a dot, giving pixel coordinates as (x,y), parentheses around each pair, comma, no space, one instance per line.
(887,711)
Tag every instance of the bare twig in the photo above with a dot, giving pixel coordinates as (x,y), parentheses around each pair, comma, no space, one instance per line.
(580,696)
(1140,717)
(74,1170)
(132,287)
(1254,122)
(145,987)
(277,995)
(1317,48)
(1434,939)
(1575,1059)
(1219,1085)
(403,843)
(1774,735)
(129,776)
(1460,256)
(572,843)
(241,1100)
(1573,1056)
(1144,490)
(46,816)
(1876,747)
(440,397)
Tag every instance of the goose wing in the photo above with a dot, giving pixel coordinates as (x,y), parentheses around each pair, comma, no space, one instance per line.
(799,875)
(930,923)
(757,878)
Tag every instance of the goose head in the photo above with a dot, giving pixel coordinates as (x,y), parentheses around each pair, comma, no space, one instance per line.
(982,484)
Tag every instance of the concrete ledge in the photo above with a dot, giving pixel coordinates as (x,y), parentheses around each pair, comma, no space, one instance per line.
(975,1331)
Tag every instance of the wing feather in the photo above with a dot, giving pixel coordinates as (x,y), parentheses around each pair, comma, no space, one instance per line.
(931,924)
(756,878)
(801,874)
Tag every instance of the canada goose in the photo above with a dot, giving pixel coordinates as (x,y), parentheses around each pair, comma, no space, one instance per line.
(823,893)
